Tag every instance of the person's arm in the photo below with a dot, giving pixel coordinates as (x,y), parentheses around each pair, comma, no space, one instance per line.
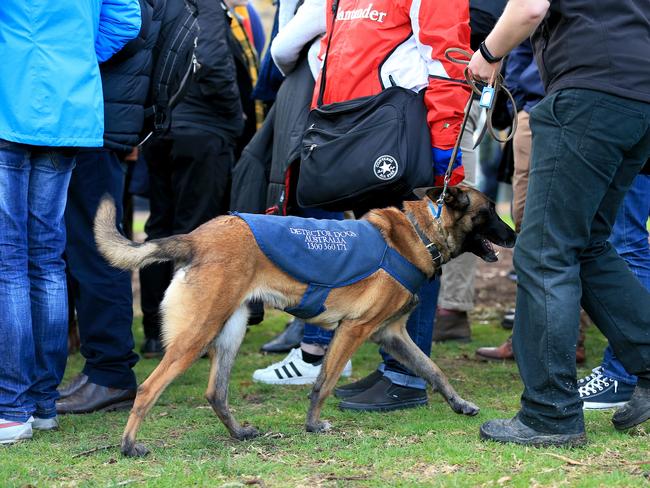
(438,26)
(119,22)
(519,20)
(308,23)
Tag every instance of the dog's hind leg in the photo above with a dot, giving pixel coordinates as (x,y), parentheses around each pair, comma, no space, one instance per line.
(349,336)
(190,323)
(395,339)
(223,354)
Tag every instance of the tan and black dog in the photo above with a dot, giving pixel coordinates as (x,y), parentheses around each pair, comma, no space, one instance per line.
(220,267)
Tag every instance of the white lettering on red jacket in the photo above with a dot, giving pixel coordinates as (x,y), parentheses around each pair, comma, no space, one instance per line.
(402,44)
(361,13)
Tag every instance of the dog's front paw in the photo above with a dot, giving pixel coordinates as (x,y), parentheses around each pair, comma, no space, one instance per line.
(318,427)
(246,433)
(463,406)
(134,450)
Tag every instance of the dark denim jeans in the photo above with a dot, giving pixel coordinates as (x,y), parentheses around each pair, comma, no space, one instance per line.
(33,301)
(102,293)
(630,239)
(587,148)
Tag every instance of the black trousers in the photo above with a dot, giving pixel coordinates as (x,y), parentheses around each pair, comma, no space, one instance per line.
(102,293)
(189,184)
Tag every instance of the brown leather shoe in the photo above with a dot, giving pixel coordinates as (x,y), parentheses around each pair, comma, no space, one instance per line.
(452,326)
(500,353)
(91,397)
(73,385)
(504,352)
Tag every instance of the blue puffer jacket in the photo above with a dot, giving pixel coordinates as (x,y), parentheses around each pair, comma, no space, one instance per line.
(50,86)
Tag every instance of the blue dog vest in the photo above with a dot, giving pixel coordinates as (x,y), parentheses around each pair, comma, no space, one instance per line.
(328,254)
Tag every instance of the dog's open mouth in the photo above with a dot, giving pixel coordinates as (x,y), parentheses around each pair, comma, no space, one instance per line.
(488,253)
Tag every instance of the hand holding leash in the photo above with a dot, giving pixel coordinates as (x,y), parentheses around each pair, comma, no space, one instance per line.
(487,96)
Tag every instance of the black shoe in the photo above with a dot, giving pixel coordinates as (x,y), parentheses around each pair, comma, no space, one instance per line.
(73,385)
(508,320)
(288,339)
(514,431)
(634,412)
(256,309)
(352,389)
(152,348)
(384,396)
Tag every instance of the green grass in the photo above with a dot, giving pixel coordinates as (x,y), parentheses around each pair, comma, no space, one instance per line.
(429,446)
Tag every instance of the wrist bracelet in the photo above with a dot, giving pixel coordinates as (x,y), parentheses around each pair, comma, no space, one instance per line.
(485,52)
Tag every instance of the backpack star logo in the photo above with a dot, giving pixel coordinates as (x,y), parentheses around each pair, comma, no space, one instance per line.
(385,167)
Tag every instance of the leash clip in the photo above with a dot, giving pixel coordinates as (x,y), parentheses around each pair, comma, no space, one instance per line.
(487,97)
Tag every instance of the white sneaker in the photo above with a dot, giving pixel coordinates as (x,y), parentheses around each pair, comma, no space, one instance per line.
(45,424)
(11,431)
(292,370)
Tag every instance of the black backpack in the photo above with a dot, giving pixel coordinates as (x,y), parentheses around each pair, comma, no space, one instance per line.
(174,64)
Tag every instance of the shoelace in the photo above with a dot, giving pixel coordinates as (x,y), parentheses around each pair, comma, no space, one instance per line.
(597,384)
(598,371)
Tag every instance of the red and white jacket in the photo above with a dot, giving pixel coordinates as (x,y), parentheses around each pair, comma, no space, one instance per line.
(380,43)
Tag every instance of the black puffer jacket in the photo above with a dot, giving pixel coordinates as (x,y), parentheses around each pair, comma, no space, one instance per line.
(125,80)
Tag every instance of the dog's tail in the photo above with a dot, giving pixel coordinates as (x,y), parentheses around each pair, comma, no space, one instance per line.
(125,254)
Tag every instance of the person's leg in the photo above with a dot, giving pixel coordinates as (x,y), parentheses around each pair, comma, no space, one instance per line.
(155,278)
(521,144)
(201,174)
(556,252)
(610,385)
(457,282)
(303,365)
(17,344)
(394,386)
(420,327)
(103,295)
(48,188)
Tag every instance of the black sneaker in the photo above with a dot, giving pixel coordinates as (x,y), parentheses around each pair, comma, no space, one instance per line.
(516,432)
(152,348)
(601,392)
(634,412)
(384,396)
(352,389)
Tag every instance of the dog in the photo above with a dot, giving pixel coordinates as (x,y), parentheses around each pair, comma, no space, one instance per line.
(220,266)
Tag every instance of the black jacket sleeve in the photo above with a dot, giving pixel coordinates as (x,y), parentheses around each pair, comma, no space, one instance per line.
(216,72)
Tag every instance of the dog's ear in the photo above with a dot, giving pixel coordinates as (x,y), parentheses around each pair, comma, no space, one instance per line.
(455,197)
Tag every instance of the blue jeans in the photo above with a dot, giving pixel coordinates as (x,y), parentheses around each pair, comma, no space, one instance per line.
(630,238)
(33,301)
(420,328)
(102,293)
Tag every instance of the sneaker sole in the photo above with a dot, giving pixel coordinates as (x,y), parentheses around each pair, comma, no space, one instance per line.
(382,408)
(113,407)
(21,437)
(288,381)
(639,419)
(560,440)
(296,380)
(601,406)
